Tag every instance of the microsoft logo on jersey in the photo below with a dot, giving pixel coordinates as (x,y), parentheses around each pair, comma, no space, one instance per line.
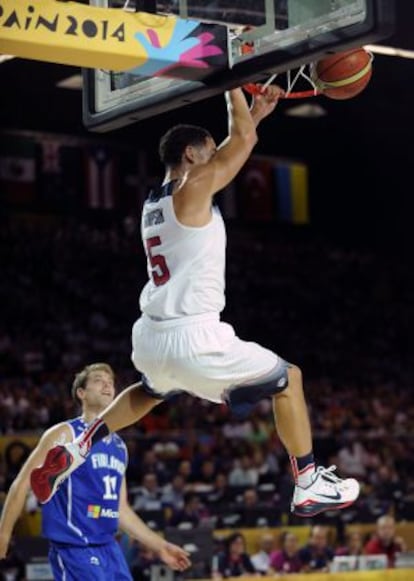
(96,511)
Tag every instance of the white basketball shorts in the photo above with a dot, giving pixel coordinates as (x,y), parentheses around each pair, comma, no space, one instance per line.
(200,355)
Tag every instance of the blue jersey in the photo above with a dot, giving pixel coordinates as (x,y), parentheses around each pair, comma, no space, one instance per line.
(85,510)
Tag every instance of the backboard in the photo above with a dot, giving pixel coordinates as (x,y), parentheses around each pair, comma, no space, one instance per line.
(256,38)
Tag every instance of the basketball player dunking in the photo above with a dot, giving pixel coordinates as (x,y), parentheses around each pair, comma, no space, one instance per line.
(80,522)
(179,342)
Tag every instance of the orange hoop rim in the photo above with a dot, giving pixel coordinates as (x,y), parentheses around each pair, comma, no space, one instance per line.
(254,90)
(292,78)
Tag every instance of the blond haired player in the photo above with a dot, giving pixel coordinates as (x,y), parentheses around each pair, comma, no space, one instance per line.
(81,521)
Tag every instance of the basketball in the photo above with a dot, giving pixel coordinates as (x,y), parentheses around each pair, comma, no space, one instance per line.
(344,75)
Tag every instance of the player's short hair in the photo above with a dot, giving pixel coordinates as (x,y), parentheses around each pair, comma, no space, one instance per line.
(81,378)
(174,142)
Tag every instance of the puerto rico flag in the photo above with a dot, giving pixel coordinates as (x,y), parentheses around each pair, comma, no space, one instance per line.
(18,170)
(101,178)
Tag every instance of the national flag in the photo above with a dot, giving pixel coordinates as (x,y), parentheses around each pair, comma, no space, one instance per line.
(292,193)
(51,156)
(102,182)
(62,176)
(255,190)
(17,170)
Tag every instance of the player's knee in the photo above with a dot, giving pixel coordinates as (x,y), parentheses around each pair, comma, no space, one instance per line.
(242,398)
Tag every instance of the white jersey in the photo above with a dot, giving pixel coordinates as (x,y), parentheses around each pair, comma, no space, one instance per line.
(186,265)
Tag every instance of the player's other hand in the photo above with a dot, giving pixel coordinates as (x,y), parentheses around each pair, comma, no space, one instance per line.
(175,557)
(265,101)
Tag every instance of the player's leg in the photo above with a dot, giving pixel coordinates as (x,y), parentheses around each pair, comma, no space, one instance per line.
(316,490)
(292,420)
(253,372)
(129,406)
(117,567)
(132,404)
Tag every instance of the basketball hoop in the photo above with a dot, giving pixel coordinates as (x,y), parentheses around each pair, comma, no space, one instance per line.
(342,75)
(302,75)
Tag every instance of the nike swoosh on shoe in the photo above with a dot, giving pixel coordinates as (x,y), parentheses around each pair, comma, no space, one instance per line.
(336,496)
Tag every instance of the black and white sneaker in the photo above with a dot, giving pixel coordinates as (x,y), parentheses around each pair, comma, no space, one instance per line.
(326,492)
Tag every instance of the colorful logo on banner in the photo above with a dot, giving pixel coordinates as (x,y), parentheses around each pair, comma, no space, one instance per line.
(180,49)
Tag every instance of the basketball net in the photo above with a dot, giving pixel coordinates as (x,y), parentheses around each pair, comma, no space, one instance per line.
(293,77)
(306,73)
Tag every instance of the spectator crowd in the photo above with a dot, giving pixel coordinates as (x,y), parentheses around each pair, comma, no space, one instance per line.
(69,295)
(285,555)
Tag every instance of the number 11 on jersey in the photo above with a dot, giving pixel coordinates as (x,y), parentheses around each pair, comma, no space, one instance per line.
(110,488)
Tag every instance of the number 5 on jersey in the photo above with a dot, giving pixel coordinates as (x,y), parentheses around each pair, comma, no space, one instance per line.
(160,273)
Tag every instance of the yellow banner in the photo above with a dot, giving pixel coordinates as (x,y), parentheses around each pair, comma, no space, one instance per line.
(79,35)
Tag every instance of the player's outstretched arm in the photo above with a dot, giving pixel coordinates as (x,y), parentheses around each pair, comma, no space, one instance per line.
(234,151)
(203,181)
(192,199)
(16,497)
(172,555)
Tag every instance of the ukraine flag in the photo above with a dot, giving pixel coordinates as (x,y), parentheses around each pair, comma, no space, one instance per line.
(292,196)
